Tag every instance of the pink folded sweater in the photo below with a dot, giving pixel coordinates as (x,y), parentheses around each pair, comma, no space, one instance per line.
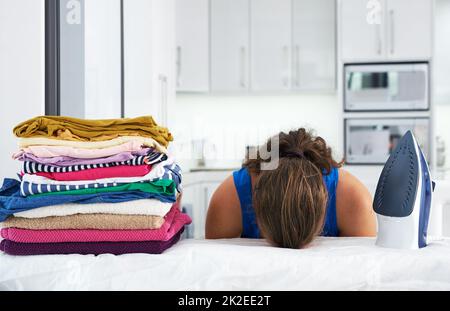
(174,222)
(100,173)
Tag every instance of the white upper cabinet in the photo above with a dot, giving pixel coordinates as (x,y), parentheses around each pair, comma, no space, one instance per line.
(138,78)
(314,45)
(409,29)
(271,45)
(385,30)
(230,37)
(255,45)
(192,45)
(163,51)
(362,30)
(149,51)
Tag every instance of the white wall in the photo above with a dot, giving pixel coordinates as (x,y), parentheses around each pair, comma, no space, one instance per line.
(22,63)
(232,122)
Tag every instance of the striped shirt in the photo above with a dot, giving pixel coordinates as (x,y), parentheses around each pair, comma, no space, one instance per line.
(171,172)
(34,167)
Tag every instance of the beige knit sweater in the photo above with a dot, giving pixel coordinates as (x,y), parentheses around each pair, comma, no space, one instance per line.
(86,221)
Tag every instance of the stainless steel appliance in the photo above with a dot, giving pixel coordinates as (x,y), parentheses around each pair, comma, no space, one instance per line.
(386,87)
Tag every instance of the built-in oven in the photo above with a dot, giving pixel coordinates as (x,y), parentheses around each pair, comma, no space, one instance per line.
(386,87)
(371,141)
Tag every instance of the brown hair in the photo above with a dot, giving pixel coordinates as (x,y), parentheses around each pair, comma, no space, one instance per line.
(290,201)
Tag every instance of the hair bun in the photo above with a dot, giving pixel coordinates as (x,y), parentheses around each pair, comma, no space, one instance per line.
(292,154)
(299,144)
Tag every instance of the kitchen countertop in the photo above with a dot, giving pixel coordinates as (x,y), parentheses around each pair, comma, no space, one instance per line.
(368,175)
(362,171)
(202,175)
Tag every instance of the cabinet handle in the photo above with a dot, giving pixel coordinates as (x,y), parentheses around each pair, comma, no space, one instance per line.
(163,99)
(243,57)
(379,40)
(392,26)
(178,66)
(285,72)
(297,66)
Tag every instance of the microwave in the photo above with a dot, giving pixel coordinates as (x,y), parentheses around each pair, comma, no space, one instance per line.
(371,141)
(386,87)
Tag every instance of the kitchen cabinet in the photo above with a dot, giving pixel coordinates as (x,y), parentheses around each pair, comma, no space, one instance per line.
(206,192)
(230,38)
(163,41)
(102,64)
(195,203)
(271,45)
(410,29)
(255,45)
(149,51)
(192,45)
(87,40)
(361,40)
(198,188)
(387,30)
(314,52)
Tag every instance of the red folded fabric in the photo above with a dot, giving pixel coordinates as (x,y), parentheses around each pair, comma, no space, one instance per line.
(100,173)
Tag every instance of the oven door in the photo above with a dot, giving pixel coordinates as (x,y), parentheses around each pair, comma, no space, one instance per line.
(371,141)
(385,87)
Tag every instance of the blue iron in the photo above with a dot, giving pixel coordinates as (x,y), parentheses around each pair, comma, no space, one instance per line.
(403,197)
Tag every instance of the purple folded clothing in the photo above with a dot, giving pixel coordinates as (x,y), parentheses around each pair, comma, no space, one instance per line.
(88,248)
(68,161)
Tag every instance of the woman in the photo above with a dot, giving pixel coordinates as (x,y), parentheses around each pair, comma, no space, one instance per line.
(307,195)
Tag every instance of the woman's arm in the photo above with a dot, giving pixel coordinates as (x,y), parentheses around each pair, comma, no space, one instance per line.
(224,219)
(355,215)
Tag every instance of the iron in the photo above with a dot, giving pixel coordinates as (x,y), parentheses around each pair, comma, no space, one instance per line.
(403,197)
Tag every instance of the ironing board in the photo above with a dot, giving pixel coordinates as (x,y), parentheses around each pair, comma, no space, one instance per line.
(239,264)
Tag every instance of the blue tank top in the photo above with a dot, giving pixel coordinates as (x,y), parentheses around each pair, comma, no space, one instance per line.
(243,184)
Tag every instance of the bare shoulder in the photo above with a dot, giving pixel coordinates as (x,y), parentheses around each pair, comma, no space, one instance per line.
(355,215)
(224,218)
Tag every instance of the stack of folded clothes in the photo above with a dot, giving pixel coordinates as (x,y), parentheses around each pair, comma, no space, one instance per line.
(92,187)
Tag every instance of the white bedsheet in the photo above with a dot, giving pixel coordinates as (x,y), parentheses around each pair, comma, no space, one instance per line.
(329,264)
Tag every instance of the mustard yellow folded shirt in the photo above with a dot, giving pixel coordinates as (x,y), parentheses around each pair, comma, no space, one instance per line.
(67,128)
